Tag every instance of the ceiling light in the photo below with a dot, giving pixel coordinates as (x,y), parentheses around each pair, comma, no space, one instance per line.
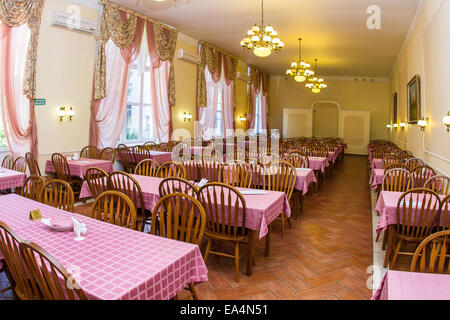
(316,84)
(299,69)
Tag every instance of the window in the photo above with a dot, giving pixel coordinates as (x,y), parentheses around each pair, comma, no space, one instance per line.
(138,126)
(218,130)
(258,115)
(3,141)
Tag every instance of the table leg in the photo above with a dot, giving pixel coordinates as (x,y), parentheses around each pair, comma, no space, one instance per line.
(267,247)
(316,187)
(251,251)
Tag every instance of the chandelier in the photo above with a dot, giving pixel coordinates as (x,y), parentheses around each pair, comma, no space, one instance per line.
(316,84)
(262,39)
(299,69)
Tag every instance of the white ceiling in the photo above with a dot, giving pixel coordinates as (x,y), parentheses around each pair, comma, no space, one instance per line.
(333,31)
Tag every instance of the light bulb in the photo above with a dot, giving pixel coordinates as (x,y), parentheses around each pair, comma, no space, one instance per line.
(255,39)
(269,29)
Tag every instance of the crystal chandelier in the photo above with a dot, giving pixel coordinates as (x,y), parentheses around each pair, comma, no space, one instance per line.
(262,39)
(316,84)
(299,70)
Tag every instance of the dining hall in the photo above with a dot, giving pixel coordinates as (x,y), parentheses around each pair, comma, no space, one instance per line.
(224,150)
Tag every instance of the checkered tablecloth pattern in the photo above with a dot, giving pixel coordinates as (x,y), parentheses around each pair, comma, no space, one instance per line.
(318,163)
(11,179)
(112,263)
(79,167)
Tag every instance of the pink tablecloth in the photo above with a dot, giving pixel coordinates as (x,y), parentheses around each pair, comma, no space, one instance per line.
(79,167)
(11,179)
(159,156)
(377,163)
(112,262)
(376,178)
(318,163)
(332,156)
(304,178)
(386,208)
(261,209)
(400,285)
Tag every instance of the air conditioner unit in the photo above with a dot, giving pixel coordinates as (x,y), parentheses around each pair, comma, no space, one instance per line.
(65,20)
(242,76)
(188,56)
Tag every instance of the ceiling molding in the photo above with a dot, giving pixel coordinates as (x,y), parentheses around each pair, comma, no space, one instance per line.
(342,78)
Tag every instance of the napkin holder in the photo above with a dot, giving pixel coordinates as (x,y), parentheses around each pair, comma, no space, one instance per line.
(75,156)
(35,215)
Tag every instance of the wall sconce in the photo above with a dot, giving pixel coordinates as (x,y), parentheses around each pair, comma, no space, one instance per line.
(388,126)
(395,125)
(422,123)
(242,118)
(61,113)
(186,116)
(70,114)
(402,125)
(446,121)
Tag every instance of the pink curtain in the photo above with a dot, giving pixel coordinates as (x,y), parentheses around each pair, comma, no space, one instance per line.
(208,114)
(228,109)
(159,89)
(19,120)
(264,111)
(251,117)
(108,114)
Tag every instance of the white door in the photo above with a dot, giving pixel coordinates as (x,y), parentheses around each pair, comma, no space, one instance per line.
(297,123)
(355,130)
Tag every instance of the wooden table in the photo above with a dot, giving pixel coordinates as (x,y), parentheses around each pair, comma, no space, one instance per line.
(79,167)
(11,179)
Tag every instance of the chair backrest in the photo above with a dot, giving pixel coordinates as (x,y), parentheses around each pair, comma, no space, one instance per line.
(108,154)
(418,211)
(171,169)
(397,179)
(225,209)
(90,152)
(97,180)
(125,183)
(397,165)
(391,159)
(413,162)
(53,280)
(439,184)
(433,254)
(33,165)
(177,185)
(237,174)
(147,167)
(26,289)
(404,154)
(445,213)
(181,217)
(115,207)
(192,169)
(20,165)
(32,188)
(258,174)
(126,155)
(140,153)
(298,161)
(421,175)
(280,176)
(59,194)
(317,152)
(8,162)
(163,147)
(61,166)
(209,170)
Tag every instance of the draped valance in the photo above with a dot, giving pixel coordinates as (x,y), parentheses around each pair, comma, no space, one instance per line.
(212,58)
(15,13)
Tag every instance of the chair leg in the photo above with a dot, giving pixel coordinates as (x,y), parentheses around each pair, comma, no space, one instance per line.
(236,260)
(378,237)
(385,240)
(397,250)
(194,292)
(289,222)
(208,247)
(389,244)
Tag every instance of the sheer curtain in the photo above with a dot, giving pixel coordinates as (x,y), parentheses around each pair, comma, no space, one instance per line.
(207,115)
(17,110)
(228,108)
(258,93)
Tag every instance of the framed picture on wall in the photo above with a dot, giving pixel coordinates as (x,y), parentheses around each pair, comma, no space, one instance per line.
(414,100)
(394,111)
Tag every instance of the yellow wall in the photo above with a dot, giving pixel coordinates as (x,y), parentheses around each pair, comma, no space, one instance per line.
(349,94)
(428,50)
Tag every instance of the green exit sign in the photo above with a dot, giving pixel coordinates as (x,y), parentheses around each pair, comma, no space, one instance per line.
(39,102)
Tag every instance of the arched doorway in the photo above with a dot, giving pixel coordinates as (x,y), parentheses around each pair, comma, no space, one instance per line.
(326,119)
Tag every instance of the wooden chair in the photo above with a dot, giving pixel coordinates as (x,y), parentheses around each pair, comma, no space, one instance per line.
(236,173)
(192,169)
(52,279)
(147,167)
(421,175)
(404,154)
(171,169)
(24,287)
(33,165)
(433,254)
(177,185)
(281,176)
(126,157)
(391,159)
(20,165)
(8,162)
(439,184)
(225,207)
(116,208)
(125,183)
(90,152)
(108,154)
(140,154)
(62,170)
(298,161)
(181,217)
(397,165)
(317,152)
(418,210)
(32,188)
(163,147)
(97,180)
(399,180)
(58,194)
(258,174)
(445,213)
(413,162)
(209,170)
